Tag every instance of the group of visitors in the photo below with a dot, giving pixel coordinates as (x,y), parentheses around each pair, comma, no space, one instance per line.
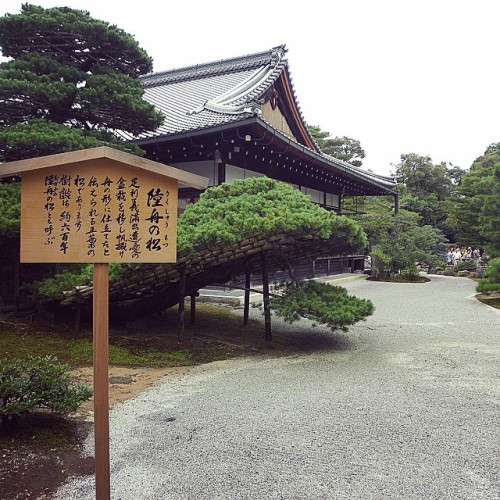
(459,254)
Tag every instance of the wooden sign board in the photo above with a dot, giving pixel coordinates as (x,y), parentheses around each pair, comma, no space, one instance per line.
(102,212)
(98,205)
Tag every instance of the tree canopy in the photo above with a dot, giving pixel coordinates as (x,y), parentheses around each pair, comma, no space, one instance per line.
(249,209)
(422,177)
(261,206)
(72,83)
(426,189)
(475,213)
(342,148)
(400,242)
(10,209)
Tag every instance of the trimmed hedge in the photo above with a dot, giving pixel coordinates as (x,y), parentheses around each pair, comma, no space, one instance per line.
(37,382)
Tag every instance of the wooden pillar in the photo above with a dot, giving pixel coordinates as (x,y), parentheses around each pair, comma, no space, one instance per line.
(246,306)
(221,173)
(101,390)
(193,309)
(267,311)
(17,282)
(328,267)
(180,316)
(313,266)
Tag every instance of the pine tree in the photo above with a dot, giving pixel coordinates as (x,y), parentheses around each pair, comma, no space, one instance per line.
(72,83)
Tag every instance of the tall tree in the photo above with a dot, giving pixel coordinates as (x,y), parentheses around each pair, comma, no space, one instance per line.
(72,83)
(475,214)
(426,189)
(342,148)
(422,177)
(399,242)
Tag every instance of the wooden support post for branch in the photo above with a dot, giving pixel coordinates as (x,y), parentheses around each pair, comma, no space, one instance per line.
(182,292)
(246,307)
(267,310)
(221,173)
(101,397)
(17,282)
(192,311)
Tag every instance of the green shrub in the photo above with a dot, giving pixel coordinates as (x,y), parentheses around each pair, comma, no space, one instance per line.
(491,280)
(380,263)
(410,272)
(485,287)
(466,265)
(37,382)
(243,208)
(325,304)
(53,288)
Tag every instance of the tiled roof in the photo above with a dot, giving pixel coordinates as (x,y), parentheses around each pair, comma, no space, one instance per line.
(223,92)
(211,94)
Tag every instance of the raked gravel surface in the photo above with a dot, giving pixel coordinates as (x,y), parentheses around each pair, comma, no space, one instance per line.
(404,406)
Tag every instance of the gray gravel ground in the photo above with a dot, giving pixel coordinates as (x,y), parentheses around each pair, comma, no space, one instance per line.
(406,405)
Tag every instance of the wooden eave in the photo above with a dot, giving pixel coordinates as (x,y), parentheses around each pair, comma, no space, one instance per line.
(86,156)
(269,152)
(291,111)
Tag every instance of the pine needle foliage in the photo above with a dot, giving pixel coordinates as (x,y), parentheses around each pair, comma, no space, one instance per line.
(324,304)
(10,209)
(260,206)
(72,83)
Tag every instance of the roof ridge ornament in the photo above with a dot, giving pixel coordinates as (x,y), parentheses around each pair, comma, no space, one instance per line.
(243,98)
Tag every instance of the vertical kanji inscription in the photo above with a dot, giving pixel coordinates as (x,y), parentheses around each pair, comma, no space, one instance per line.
(109,216)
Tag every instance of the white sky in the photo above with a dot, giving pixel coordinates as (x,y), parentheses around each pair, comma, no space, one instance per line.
(400,76)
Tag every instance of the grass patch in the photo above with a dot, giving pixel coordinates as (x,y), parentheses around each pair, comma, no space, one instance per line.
(398,278)
(490,301)
(151,341)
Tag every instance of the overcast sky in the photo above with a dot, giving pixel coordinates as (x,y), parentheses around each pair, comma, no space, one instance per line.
(400,76)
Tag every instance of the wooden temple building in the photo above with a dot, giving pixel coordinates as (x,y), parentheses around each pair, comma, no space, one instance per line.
(227,120)
(238,118)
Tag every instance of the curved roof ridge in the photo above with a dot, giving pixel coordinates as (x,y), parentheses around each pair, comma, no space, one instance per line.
(215,67)
(240,98)
(299,109)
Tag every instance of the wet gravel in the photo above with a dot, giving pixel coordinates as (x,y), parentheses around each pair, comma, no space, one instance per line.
(406,405)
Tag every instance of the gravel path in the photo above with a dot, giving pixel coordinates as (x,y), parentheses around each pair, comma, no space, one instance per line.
(406,405)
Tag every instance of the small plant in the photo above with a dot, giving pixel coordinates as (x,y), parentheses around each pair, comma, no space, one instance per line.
(466,265)
(410,272)
(37,382)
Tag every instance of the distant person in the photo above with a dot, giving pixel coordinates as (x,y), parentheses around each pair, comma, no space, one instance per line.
(449,256)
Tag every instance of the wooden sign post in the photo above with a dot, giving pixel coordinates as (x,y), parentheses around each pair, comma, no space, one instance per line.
(99,206)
